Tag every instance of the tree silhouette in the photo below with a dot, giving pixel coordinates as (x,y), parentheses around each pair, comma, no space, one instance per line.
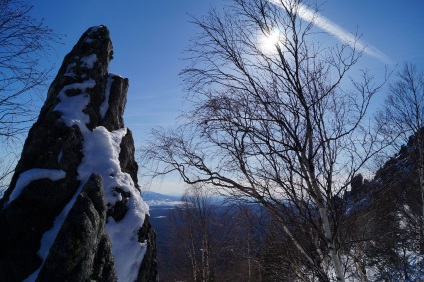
(281,126)
(24,42)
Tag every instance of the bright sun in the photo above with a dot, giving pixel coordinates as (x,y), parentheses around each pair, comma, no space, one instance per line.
(268,42)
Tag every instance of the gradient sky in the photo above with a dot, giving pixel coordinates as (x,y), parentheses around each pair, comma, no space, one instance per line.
(149,38)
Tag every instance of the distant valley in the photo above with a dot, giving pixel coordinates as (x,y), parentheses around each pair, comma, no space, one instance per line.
(154,199)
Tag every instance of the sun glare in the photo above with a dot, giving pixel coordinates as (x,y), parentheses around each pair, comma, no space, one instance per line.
(269,41)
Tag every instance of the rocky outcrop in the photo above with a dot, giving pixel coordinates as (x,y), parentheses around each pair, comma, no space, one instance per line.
(73,210)
(82,249)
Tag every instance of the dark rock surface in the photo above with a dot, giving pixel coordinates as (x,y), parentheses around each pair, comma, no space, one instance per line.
(77,254)
(149,266)
(49,189)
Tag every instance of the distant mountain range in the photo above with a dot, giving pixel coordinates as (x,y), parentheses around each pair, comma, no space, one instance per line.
(154,199)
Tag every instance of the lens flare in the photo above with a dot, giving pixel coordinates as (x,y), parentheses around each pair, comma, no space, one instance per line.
(268,42)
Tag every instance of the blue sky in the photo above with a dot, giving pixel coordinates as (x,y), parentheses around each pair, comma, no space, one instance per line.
(149,38)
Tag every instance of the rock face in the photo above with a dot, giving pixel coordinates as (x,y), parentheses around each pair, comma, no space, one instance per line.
(73,210)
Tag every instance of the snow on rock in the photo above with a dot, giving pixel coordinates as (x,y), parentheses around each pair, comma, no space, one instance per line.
(89,61)
(101,150)
(126,249)
(101,154)
(72,107)
(28,176)
(79,137)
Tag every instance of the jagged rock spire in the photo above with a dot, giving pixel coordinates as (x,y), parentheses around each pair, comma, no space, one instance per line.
(73,210)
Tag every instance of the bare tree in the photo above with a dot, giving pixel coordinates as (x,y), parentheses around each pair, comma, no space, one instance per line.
(6,168)
(194,223)
(198,228)
(215,239)
(403,115)
(24,43)
(274,125)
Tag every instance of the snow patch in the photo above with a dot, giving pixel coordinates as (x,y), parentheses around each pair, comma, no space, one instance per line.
(126,249)
(88,61)
(72,107)
(25,178)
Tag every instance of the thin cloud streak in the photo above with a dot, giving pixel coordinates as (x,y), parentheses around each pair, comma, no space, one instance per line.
(336,31)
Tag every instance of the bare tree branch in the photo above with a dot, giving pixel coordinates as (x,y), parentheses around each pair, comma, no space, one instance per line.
(280,127)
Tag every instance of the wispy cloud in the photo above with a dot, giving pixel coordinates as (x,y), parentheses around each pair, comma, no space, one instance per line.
(336,31)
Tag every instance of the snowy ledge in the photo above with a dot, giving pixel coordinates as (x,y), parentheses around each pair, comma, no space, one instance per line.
(25,178)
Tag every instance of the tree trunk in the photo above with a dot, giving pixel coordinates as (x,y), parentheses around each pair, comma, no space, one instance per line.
(421,172)
(193,259)
(335,258)
(360,265)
